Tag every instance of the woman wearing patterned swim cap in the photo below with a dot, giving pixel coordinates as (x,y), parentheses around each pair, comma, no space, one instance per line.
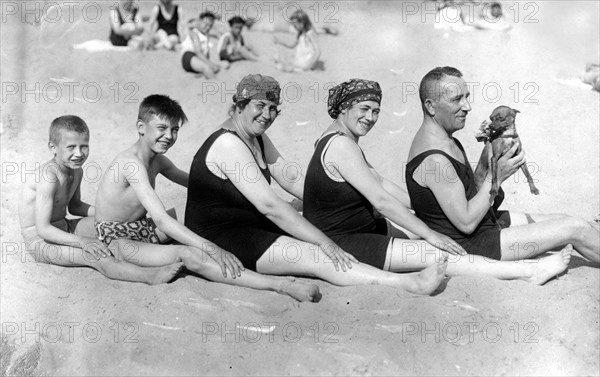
(342,191)
(231,203)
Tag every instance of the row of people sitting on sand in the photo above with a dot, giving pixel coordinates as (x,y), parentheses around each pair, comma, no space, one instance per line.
(237,230)
(193,39)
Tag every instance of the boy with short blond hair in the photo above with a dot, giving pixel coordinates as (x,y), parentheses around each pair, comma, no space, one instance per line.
(126,196)
(46,197)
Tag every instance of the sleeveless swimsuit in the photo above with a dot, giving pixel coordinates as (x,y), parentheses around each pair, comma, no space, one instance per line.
(485,240)
(169,26)
(217,210)
(116,39)
(342,212)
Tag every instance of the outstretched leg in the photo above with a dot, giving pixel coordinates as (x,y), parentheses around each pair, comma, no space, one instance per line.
(526,241)
(411,255)
(198,261)
(294,257)
(67,256)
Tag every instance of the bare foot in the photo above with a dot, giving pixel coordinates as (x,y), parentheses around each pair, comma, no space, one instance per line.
(548,267)
(164,274)
(426,281)
(299,291)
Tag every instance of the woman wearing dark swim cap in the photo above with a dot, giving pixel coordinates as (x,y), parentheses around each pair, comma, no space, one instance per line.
(231,203)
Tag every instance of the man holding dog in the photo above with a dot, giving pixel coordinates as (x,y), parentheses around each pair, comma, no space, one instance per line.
(453,200)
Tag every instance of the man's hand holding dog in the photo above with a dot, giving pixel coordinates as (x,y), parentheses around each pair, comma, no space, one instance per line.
(509,162)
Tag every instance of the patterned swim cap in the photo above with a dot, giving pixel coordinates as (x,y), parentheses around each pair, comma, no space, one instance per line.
(348,93)
(258,87)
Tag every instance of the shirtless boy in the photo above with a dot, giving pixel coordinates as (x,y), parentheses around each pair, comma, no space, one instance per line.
(126,195)
(52,238)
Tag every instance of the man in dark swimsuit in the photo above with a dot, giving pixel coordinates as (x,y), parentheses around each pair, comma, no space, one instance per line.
(451,199)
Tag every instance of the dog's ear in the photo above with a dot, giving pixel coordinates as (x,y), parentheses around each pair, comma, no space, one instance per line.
(516,111)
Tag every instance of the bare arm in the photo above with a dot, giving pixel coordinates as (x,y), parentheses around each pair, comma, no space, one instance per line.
(78,207)
(198,48)
(154,19)
(311,36)
(347,157)
(172,172)
(171,227)
(393,189)
(350,163)
(44,202)
(181,27)
(450,193)
(287,174)
(229,152)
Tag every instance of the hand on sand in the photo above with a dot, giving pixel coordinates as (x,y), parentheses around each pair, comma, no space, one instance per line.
(228,261)
(445,243)
(338,256)
(95,248)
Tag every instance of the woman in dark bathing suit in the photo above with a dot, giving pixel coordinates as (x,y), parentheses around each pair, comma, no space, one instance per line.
(231,203)
(342,189)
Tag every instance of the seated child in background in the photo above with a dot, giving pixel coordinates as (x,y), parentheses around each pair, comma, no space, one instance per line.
(126,27)
(306,47)
(126,195)
(195,47)
(48,234)
(231,45)
(165,30)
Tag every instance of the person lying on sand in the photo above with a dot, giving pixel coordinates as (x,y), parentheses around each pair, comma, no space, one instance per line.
(451,199)
(126,196)
(231,46)
(306,48)
(231,203)
(342,191)
(55,188)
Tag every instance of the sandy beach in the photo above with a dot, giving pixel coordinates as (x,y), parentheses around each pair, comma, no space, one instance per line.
(74,321)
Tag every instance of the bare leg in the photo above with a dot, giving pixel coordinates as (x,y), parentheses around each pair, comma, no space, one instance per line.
(201,67)
(66,256)
(411,255)
(526,241)
(198,261)
(290,256)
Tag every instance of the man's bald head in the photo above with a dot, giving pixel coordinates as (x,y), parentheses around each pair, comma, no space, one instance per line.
(430,87)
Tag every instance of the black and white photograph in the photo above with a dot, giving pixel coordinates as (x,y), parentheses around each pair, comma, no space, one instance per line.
(300,188)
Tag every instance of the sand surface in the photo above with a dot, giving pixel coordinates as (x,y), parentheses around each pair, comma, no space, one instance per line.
(58,321)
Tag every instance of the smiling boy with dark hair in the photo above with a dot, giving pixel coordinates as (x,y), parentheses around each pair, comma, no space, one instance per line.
(126,195)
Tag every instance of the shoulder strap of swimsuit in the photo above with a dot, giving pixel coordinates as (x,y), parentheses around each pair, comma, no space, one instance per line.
(413,164)
(261,144)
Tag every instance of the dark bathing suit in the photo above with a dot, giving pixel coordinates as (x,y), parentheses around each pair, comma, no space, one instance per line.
(217,211)
(116,39)
(485,240)
(343,213)
(169,26)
